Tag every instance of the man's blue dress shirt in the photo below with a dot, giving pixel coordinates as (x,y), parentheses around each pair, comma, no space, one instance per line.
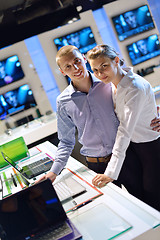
(94,117)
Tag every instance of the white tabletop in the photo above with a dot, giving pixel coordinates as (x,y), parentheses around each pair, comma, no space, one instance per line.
(33,131)
(143,219)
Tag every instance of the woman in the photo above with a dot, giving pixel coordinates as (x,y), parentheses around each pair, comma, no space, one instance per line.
(135,160)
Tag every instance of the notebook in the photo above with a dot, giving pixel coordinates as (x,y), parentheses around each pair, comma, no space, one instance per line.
(18,150)
(16,167)
(35,213)
(65,189)
(31,170)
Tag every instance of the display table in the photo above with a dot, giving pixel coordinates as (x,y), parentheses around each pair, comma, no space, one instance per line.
(141,221)
(99,214)
(33,131)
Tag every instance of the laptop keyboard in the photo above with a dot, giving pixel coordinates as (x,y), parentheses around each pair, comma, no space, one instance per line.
(63,191)
(36,168)
(68,188)
(54,233)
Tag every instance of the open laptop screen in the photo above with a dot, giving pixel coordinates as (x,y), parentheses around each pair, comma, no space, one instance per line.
(30,211)
(16,149)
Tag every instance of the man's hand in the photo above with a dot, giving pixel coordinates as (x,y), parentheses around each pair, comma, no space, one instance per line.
(155,123)
(100,180)
(52,176)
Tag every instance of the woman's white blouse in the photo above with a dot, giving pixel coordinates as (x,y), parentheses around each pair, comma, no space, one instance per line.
(135,107)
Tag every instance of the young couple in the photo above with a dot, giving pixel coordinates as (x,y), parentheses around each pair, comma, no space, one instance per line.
(124,150)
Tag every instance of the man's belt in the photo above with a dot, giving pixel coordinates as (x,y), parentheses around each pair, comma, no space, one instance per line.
(99,159)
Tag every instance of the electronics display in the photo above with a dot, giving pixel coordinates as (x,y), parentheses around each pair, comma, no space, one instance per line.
(133,22)
(144,49)
(10,70)
(16,100)
(83,39)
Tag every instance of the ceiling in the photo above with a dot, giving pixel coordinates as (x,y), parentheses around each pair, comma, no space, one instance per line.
(20,19)
(22,5)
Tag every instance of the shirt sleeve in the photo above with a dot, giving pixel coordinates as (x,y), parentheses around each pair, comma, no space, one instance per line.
(134,102)
(66,135)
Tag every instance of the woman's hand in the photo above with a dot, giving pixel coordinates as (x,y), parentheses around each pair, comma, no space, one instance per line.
(100,180)
(155,123)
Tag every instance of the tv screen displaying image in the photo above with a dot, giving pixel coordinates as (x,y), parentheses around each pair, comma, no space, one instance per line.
(144,49)
(16,100)
(133,22)
(10,70)
(83,39)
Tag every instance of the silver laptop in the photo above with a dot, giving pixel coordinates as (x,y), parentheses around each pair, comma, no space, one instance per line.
(16,167)
(31,170)
(67,189)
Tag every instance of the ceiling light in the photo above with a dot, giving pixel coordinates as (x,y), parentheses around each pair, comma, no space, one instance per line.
(79,8)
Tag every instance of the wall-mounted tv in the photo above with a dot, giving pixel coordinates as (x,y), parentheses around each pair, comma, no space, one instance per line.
(16,100)
(10,70)
(83,39)
(133,22)
(144,49)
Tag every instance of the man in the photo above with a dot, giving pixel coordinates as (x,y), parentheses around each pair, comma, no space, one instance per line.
(130,19)
(86,104)
(11,98)
(142,47)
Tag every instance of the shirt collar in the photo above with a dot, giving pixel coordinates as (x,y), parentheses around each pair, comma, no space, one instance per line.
(71,88)
(125,81)
(94,80)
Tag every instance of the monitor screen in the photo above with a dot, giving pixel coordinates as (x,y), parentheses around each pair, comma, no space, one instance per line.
(10,70)
(144,49)
(83,39)
(133,22)
(16,100)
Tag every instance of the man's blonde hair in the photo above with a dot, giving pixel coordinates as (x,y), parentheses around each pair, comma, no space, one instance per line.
(65,50)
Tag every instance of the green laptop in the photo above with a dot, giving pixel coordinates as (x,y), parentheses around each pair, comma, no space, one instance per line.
(16,149)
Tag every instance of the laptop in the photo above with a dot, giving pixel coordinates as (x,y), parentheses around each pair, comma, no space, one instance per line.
(31,170)
(16,167)
(35,213)
(18,150)
(67,189)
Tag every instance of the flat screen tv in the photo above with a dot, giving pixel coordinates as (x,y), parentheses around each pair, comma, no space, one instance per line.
(83,39)
(10,70)
(16,100)
(144,49)
(133,22)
